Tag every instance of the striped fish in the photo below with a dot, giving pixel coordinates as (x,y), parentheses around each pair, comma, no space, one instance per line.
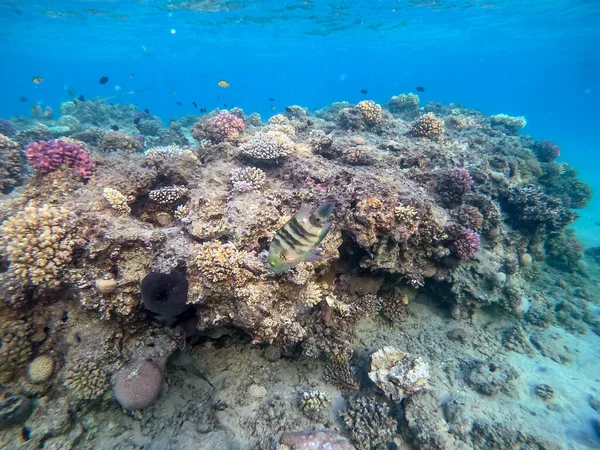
(296,240)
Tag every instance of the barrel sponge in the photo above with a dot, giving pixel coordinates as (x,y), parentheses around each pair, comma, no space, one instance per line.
(38,243)
(138,385)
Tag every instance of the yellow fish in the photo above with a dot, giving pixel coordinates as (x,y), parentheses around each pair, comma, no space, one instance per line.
(295,241)
(223,84)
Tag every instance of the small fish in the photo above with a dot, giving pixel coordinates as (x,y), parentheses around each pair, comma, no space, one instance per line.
(23,99)
(364,91)
(420,89)
(202,110)
(296,240)
(146,110)
(81,98)
(224,105)
(173,92)
(37,80)
(194,103)
(114,128)
(223,84)
(131,75)
(271,99)
(117,88)
(103,80)
(273,107)
(70,91)
(179,103)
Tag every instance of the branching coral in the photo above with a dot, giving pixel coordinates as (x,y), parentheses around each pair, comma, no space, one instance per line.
(404,103)
(454,184)
(225,127)
(12,164)
(118,201)
(218,263)
(371,111)
(247,179)
(511,124)
(465,242)
(369,423)
(268,145)
(39,243)
(429,127)
(15,347)
(168,196)
(468,216)
(546,151)
(86,379)
(313,403)
(48,156)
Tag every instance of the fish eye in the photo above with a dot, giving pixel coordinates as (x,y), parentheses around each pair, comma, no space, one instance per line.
(282,256)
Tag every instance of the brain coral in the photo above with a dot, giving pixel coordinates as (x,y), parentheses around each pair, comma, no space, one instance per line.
(371,112)
(137,385)
(38,243)
(429,127)
(268,145)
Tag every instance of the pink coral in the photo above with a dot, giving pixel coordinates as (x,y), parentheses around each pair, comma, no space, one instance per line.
(466,243)
(47,156)
(138,385)
(454,184)
(226,127)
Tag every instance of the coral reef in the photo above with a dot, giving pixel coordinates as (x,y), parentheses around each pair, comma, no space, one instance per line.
(223,127)
(117,141)
(311,440)
(15,347)
(118,201)
(404,103)
(40,369)
(371,111)
(546,151)
(313,403)
(7,128)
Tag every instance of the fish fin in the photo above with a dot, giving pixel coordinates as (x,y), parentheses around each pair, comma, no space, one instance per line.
(324,210)
(326,228)
(304,213)
(314,255)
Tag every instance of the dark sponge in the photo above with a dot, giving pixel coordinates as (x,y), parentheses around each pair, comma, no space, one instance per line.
(165,294)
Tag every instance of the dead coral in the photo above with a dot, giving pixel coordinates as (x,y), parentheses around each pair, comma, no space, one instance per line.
(39,243)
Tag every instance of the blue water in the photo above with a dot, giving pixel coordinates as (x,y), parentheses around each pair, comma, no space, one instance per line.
(540,59)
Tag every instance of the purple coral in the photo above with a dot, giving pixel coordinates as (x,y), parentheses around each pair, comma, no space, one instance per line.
(466,243)
(48,156)
(225,127)
(7,128)
(138,385)
(454,185)
(546,151)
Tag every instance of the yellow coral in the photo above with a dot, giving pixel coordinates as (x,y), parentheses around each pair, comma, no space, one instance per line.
(118,201)
(371,111)
(39,243)
(218,262)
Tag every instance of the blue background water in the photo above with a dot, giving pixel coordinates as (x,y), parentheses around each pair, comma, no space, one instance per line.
(540,60)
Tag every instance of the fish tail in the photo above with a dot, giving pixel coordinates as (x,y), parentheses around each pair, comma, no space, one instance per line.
(324,210)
